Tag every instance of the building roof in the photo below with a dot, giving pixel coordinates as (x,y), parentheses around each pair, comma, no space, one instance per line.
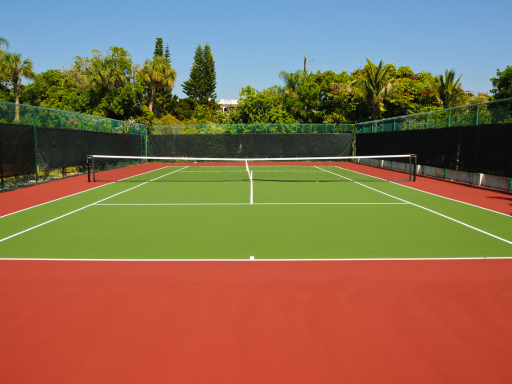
(228,102)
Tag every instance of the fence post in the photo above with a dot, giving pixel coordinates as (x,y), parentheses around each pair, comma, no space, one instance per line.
(355,143)
(110,126)
(409,120)
(145,137)
(35,142)
(98,124)
(394,125)
(81,122)
(449,118)
(428,118)
(477,107)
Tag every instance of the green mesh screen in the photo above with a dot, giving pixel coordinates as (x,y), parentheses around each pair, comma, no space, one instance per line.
(251,145)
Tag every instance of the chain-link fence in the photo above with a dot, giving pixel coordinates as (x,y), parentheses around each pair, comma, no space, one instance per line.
(11,113)
(493,112)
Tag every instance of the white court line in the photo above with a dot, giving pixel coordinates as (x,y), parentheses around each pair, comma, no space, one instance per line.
(444,197)
(178,204)
(51,201)
(430,193)
(79,209)
(260,260)
(87,190)
(430,210)
(252,194)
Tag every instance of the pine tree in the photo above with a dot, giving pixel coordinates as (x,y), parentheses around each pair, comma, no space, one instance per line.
(167,54)
(202,82)
(210,76)
(159,47)
(194,85)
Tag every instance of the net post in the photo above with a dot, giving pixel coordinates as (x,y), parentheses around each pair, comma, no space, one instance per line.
(88,170)
(415,167)
(93,170)
(410,168)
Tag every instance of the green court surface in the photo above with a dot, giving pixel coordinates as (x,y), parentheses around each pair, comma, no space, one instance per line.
(287,220)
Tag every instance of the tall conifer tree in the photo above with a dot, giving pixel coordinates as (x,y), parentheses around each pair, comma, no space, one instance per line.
(210,76)
(159,47)
(167,53)
(202,82)
(194,85)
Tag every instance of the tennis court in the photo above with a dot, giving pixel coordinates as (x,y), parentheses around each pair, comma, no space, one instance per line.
(237,271)
(233,211)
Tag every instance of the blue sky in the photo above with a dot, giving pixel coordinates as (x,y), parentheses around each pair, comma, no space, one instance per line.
(253,41)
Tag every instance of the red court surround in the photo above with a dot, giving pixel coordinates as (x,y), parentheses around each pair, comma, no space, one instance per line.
(410,321)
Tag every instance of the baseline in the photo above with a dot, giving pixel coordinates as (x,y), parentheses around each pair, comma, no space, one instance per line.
(272,260)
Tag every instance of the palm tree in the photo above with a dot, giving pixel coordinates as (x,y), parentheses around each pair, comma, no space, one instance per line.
(5,42)
(15,67)
(158,72)
(104,73)
(449,92)
(374,85)
(291,80)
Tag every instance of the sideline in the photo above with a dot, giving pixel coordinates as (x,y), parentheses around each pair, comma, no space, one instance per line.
(89,205)
(73,194)
(426,209)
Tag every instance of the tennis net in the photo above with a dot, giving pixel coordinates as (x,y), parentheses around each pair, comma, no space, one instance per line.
(313,169)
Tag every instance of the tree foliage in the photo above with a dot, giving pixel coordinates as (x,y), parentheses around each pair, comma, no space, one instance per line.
(448,91)
(291,80)
(502,83)
(373,85)
(158,72)
(3,41)
(13,65)
(159,47)
(202,81)
(257,107)
(167,54)
(109,84)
